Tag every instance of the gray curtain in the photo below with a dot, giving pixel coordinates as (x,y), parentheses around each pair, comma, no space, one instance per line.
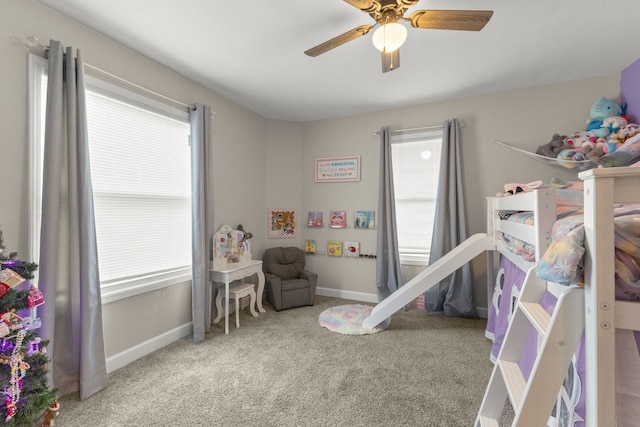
(202,218)
(454,295)
(69,277)
(388,269)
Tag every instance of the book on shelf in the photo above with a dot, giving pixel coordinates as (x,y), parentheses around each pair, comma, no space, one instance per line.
(334,248)
(364,219)
(314,219)
(352,249)
(310,246)
(338,219)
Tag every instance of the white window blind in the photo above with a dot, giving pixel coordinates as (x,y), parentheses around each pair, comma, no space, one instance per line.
(140,168)
(416,167)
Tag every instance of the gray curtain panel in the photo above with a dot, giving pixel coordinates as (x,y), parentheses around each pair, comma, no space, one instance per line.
(69,277)
(202,218)
(388,269)
(454,295)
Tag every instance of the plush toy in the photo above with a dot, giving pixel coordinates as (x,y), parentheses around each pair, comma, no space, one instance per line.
(553,147)
(511,189)
(613,123)
(610,146)
(581,139)
(594,154)
(600,110)
(625,132)
(572,154)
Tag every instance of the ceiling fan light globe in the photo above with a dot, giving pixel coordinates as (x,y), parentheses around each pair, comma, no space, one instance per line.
(389,37)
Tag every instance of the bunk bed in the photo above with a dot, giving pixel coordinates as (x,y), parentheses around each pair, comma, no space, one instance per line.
(584,327)
(595,359)
(607,357)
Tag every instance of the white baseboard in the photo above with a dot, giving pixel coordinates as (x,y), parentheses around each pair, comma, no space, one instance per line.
(356,296)
(142,349)
(364,297)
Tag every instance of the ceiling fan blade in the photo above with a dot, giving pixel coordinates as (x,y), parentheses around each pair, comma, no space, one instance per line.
(466,20)
(339,40)
(390,60)
(365,5)
(407,3)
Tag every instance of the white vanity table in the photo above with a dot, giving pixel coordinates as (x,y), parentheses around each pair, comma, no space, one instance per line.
(229,247)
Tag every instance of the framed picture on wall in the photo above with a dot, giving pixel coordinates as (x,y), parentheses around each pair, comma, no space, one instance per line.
(352,249)
(338,219)
(282,223)
(314,219)
(364,219)
(338,169)
(334,248)
(310,246)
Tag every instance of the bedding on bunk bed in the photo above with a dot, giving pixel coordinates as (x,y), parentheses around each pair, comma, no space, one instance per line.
(568,202)
(563,263)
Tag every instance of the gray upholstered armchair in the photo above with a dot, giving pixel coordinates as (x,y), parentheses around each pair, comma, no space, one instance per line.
(288,283)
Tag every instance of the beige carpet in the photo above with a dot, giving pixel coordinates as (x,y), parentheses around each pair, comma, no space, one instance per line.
(284,369)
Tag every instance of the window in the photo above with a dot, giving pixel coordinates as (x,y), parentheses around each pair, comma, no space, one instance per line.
(416,167)
(140,166)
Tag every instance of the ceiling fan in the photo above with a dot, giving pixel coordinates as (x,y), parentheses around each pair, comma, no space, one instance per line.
(390,34)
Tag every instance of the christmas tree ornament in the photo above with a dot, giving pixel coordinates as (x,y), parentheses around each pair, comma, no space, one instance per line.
(11,319)
(35,297)
(10,278)
(4,329)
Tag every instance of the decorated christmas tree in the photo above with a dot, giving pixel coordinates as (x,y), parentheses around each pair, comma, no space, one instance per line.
(27,398)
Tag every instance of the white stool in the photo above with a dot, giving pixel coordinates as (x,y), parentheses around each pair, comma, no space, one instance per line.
(236,292)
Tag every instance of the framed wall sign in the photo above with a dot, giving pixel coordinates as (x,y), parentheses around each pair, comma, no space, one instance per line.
(338,169)
(282,223)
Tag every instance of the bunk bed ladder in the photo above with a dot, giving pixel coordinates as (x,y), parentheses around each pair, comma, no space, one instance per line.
(533,399)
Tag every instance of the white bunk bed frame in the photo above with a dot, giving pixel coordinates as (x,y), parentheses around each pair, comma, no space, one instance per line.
(603,314)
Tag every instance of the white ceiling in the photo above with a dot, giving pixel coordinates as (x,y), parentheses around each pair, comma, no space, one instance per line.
(251,51)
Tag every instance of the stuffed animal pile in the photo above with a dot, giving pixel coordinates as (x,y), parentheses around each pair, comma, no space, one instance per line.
(608,129)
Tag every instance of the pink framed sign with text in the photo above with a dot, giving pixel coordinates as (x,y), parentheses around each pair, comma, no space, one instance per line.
(338,169)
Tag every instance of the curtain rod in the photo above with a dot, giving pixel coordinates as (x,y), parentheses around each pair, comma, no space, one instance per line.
(418,129)
(137,86)
(32,41)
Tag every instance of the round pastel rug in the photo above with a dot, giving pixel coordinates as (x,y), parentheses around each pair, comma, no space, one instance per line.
(347,319)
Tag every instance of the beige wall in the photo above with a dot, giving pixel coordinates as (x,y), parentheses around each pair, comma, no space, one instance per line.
(239,169)
(526,118)
(284,169)
(263,163)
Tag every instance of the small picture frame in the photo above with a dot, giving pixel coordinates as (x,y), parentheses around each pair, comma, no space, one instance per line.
(282,223)
(310,247)
(352,249)
(334,248)
(364,219)
(338,219)
(314,219)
